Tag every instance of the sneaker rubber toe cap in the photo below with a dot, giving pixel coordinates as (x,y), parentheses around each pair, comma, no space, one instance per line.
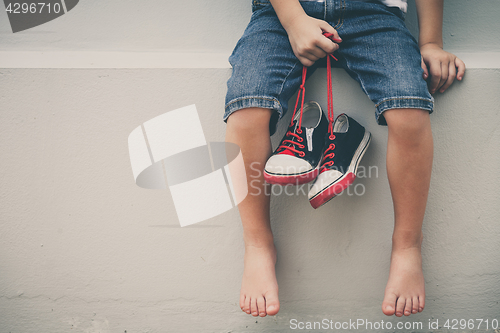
(323,181)
(282,164)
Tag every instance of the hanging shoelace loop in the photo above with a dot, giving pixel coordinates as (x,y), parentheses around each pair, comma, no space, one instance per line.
(289,144)
(329,84)
(300,96)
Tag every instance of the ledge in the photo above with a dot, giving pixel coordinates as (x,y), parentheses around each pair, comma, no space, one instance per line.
(482,60)
(86,59)
(122,60)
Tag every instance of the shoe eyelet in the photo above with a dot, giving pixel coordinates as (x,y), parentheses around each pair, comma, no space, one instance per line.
(302,154)
(302,146)
(301,140)
(299,131)
(332,137)
(332,146)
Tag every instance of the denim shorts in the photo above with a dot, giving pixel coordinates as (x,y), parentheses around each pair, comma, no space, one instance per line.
(377,50)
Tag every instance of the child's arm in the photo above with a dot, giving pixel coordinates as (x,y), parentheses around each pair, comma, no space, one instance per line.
(441,65)
(305,32)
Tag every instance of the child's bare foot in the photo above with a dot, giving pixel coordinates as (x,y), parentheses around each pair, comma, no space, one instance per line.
(259,288)
(405,291)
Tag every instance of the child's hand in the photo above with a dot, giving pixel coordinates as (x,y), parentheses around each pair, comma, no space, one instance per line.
(442,67)
(306,37)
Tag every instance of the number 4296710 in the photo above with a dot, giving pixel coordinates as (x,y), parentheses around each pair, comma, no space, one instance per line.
(454,324)
(33,8)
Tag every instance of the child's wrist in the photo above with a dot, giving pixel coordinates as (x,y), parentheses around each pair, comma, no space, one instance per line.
(287,12)
(430,44)
(290,20)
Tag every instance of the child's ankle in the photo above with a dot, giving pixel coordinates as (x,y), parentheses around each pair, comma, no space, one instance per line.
(405,239)
(262,238)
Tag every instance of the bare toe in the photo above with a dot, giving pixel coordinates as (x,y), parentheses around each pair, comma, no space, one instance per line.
(421,303)
(414,308)
(272,303)
(247,305)
(400,306)
(255,310)
(389,304)
(408,307)
(261,304)
(242,302)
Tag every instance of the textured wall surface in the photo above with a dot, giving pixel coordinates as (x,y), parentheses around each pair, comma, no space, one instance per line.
(204,26)
(83,249)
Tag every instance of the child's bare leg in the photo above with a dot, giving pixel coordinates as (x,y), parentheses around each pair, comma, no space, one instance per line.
(249,129)
(409,165)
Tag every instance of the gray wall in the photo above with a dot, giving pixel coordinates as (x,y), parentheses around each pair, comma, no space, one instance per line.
(210,26)
(83,249)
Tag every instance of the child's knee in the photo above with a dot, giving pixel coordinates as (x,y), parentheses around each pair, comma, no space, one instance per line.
(408,122)
(250,119)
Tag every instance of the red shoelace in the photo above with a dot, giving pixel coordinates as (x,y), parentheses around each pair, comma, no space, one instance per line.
(288,146)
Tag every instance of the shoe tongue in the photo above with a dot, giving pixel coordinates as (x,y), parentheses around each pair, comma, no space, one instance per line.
(296,121)
(341,124)
(295,126)
(308,108)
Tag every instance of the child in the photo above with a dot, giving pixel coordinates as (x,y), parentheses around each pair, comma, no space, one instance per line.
(376,49)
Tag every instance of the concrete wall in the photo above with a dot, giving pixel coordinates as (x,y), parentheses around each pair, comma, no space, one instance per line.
(208,26)
(83,249)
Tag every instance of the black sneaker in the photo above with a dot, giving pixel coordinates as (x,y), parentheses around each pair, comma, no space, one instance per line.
(344,147)
(297,158)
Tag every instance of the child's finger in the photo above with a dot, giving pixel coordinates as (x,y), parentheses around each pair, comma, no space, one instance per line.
(452,73)
(330,30)
(327,46)
(317,52)
(445,69)
(461,68)
(425,75)
(308,60)
(435,70)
